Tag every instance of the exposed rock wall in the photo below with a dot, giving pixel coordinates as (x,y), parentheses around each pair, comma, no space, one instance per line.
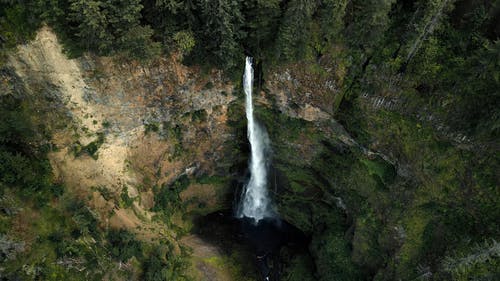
(127,113)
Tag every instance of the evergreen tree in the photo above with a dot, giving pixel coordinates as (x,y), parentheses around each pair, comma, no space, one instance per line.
(220,31)
(166,17)
(122,15)
(91,20)
(294,30)
(109,27)
(136,43)
(331,21)
(368,21)
(261,25)
(426,19)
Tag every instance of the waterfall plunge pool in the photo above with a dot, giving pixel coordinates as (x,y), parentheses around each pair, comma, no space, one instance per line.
(262,249)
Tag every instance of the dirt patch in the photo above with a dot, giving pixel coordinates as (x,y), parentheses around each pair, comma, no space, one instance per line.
(196,194)
(124,218)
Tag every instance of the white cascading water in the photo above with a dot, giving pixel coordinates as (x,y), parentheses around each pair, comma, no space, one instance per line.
(255,201)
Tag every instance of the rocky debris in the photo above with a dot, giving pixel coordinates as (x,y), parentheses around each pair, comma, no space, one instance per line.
(379,102)
(10,248)
(72,263)
(307,85)
(8,206)
(10,83)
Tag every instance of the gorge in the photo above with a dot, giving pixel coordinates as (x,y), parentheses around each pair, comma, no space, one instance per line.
(361,142)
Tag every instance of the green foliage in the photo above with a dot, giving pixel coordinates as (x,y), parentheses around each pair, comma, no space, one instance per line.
(56,240)
(167,199)
(21,164)
(162,264)
(261,25)
(220,32)
(216,180)
(17,24)
(137,43)
(426,19)
(299,269)
(185,41)
(480,261)
(124,245)
(292,40)
(381,170)
(83,216)
(105,192)
(56,233)
(366,249)
(331,20)
(199,115)
(333,257)
(151,127)
(91,148)
(442,218)
(91,21)
(368,22)
(126,201)
(230,264)
(103,27)
(174,133)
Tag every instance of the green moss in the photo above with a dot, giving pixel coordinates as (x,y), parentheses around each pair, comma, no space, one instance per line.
(280,126)
(380,170)
(232,265)
(299,178)
(366,250)
(296,211)
(167,200)
(332,255)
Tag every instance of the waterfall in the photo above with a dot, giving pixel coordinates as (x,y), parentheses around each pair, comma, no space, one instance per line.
(255,201)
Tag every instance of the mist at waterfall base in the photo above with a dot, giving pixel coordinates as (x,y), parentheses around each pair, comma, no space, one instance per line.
(260,224)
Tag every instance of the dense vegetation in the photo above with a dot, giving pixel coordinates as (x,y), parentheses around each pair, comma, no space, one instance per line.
(430,214)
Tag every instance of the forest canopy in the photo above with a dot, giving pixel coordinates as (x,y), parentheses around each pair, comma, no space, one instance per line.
(445,46)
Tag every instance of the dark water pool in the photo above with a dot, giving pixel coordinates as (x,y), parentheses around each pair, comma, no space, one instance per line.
(260,245)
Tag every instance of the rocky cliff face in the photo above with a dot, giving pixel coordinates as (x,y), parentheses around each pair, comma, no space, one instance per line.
(128,128)
(121,130)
